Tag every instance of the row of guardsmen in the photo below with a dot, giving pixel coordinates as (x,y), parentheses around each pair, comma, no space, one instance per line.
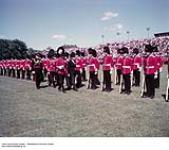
(71,68)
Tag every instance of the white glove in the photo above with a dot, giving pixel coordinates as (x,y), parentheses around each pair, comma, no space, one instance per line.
(156,75)
(160,69)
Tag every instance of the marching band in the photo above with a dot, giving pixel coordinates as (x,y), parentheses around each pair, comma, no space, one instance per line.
(69,70)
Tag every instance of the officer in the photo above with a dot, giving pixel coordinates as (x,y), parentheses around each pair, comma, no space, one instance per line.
(79,66)
(37,68)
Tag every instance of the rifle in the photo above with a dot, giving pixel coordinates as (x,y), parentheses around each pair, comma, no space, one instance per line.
(121,84)
(115,76)
(143,85)
(166,98)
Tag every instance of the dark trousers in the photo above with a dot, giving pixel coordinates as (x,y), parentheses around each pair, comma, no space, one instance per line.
(28,74)
(18,73)
(107,79)
(118,75)
(23,74)
(92,78)
(136,76)
(9,72)
(13,73)
(157,80)
(38,77)
(127,82)
(5,71)
(1,69)
(150,88)
(51,78)
(84,74)
(78,79)
(71,80)
(61,82)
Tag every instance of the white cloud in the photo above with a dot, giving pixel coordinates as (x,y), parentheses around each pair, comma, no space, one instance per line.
(108,15)
(116,27)
(59,36)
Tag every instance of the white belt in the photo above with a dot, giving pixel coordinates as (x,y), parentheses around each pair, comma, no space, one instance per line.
(126,67)
(92,65)
(107,65)
(61,67)
(150,67)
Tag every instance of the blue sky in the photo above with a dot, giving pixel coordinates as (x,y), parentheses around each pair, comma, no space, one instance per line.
(43,23)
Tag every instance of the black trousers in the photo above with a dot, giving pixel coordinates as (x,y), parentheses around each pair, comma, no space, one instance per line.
(127,82)
(5,71)
(13,73)
(78,79)
(23,74)
(9,72)
(136,76)
(107,79)
(61,82)
(18,73)
(93,79)
(71,80)
(1,69)
(28,74)
(51,78)
(38,77)
(118,75)
(157,80)
(84,74)
(150,88)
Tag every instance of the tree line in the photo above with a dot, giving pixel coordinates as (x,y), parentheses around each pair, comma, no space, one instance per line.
(14,49)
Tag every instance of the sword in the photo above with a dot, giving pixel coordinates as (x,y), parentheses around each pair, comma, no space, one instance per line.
(166,98)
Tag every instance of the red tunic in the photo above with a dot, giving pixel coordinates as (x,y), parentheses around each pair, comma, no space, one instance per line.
(61,66)
(107,62)
(127,65)
(28,64)
(159,60)
(93,64)
(51,65)
(79,64)
(137,62)
(119,62)
(150,66)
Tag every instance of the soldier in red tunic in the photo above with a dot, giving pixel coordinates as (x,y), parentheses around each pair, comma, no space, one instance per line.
(93,65)
(127,67)
(107,70)
(150,68)
(51,68)
(137,63)
(118,66)
(61,68)
(84,64)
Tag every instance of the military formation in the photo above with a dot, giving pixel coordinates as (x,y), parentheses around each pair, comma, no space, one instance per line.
(68,71)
